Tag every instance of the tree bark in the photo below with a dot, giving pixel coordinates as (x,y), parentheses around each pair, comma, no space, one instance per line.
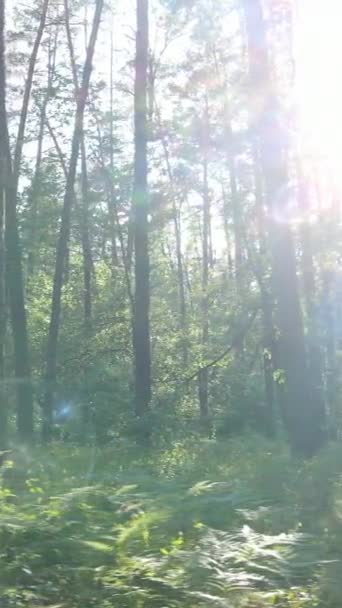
(141,338)
(14,277)
(302,411)
(14,273)
(3,404)
(64,234)
(3,177)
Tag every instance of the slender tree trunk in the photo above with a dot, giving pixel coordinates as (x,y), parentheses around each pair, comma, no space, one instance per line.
(63,240)
(268,332)
(315,363)
(226,228)
(86,246)
(27,94)
(181,284)
(268,362)
(108,187)
(112,205)
(58,149)
(303,414)
(179,255)
(141,338)
(331,362)
(35,189)
(84,212)
(235,206)
(203,374)
(36,181)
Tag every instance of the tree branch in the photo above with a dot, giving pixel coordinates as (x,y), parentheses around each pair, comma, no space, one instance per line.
(235,342)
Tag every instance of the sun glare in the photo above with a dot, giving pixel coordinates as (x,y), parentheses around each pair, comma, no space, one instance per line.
(318,57)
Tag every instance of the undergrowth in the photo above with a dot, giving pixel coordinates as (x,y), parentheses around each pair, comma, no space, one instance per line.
(203,523)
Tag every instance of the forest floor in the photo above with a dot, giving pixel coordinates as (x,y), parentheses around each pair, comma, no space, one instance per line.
(204,523)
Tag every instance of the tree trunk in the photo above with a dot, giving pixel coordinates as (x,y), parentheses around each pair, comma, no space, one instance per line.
(86,246)
(235,206)
(176,216)
(63,240)
(302,411)
(315,363)
(27,94)
(84,211)
(268,332)
(331,370)
(3,177)
(3,405)
(13,266)
(112,206)
(141,339)
(108,188)
(36,181)
(226,229)
(203,374)
(15,282)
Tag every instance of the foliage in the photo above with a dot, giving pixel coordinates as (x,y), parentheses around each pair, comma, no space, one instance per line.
(192,525)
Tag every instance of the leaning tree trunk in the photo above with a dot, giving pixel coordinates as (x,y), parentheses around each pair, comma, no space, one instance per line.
(35,190)
(64,234)
(141,337)
(303,413)
(84,211)
(27,94)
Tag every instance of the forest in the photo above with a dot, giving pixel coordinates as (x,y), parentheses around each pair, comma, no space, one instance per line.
(170,304)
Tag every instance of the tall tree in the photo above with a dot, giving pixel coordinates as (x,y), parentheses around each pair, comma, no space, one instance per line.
(35,189)
(14,272)
(84,212)
(3,175)
(176,216)
(303,412)
(203,373)
(141,338)
(63,240)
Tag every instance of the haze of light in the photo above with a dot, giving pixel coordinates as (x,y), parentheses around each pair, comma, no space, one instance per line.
(318,58)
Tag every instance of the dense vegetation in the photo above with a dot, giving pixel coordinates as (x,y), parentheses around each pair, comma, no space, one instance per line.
(170,310)
(199,524)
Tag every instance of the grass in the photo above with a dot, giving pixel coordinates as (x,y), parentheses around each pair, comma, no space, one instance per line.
(206,523)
